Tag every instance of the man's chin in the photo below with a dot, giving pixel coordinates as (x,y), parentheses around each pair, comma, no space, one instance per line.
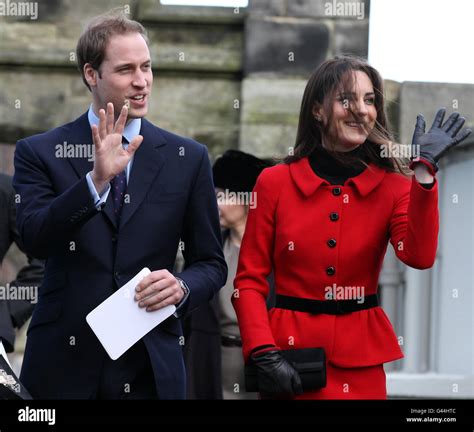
(136,114)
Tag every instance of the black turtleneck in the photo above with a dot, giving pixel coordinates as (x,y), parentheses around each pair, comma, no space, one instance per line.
(335,172)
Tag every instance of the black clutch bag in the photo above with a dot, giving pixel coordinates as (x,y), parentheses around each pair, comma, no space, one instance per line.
(310,363)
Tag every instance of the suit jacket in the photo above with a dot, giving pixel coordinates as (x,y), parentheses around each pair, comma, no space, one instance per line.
(171,197)
(14,313)
(289,232)
(202,352)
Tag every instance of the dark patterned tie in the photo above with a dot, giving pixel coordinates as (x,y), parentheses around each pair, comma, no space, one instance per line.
(118,187)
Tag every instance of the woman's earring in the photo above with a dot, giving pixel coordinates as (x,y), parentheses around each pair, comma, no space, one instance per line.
(317,118)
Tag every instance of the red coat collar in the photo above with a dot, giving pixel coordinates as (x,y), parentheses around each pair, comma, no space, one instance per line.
(308,182)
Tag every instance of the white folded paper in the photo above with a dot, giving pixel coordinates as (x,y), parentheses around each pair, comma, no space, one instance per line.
(119,323)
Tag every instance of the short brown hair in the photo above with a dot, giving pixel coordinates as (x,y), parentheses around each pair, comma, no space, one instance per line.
(93,40)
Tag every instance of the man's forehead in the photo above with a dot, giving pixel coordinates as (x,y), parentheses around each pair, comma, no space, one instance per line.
(127,48)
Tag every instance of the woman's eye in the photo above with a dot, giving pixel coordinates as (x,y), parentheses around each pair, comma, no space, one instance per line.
(370,101)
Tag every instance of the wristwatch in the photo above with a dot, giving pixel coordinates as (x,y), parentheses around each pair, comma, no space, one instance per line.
(183,286)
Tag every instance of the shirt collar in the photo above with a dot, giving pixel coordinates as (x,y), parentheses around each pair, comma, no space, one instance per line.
(308,182)
(132,129)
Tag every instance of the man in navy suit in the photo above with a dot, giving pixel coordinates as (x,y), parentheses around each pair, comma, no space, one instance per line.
(99,222)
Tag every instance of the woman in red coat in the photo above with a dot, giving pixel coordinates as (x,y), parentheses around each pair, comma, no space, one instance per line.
(322,224)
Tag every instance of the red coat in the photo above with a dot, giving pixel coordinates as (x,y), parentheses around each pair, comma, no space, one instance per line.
(289,230)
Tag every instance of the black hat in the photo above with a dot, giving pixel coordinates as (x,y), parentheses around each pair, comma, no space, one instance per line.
(238,171)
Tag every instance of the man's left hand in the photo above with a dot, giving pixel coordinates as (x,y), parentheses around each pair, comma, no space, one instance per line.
(157,290)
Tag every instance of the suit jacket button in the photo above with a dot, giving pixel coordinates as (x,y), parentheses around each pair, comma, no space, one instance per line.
(117,275)
(330,271)
(332,243)
(337,191)
(114,239)
(333,216)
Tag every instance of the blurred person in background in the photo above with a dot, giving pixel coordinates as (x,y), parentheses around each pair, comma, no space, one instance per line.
(14,309)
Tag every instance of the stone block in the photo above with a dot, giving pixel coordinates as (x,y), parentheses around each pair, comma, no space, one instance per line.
(285,47)
(351,37)
(270,115)
(392,105)
(198,48)
(201,108)
(267,8)
(267,141)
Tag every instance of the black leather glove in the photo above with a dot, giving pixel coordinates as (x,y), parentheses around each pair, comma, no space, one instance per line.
(277,379)
(439,139)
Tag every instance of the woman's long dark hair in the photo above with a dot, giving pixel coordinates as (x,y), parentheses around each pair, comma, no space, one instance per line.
(326,81)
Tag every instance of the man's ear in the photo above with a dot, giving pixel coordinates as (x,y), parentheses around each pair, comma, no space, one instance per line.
(90,75)
(318,112)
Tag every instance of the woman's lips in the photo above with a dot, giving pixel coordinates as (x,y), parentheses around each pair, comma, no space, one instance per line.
(354,125)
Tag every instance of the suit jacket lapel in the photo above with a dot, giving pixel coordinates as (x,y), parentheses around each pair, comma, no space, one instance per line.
(81,137)
(147,163)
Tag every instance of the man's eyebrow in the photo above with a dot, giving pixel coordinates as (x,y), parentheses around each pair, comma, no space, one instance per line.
(127,65)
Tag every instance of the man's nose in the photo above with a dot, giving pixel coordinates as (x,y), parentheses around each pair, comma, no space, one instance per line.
(139,80)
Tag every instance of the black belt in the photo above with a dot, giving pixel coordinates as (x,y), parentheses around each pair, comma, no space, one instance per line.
(332,307)
(231,341)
